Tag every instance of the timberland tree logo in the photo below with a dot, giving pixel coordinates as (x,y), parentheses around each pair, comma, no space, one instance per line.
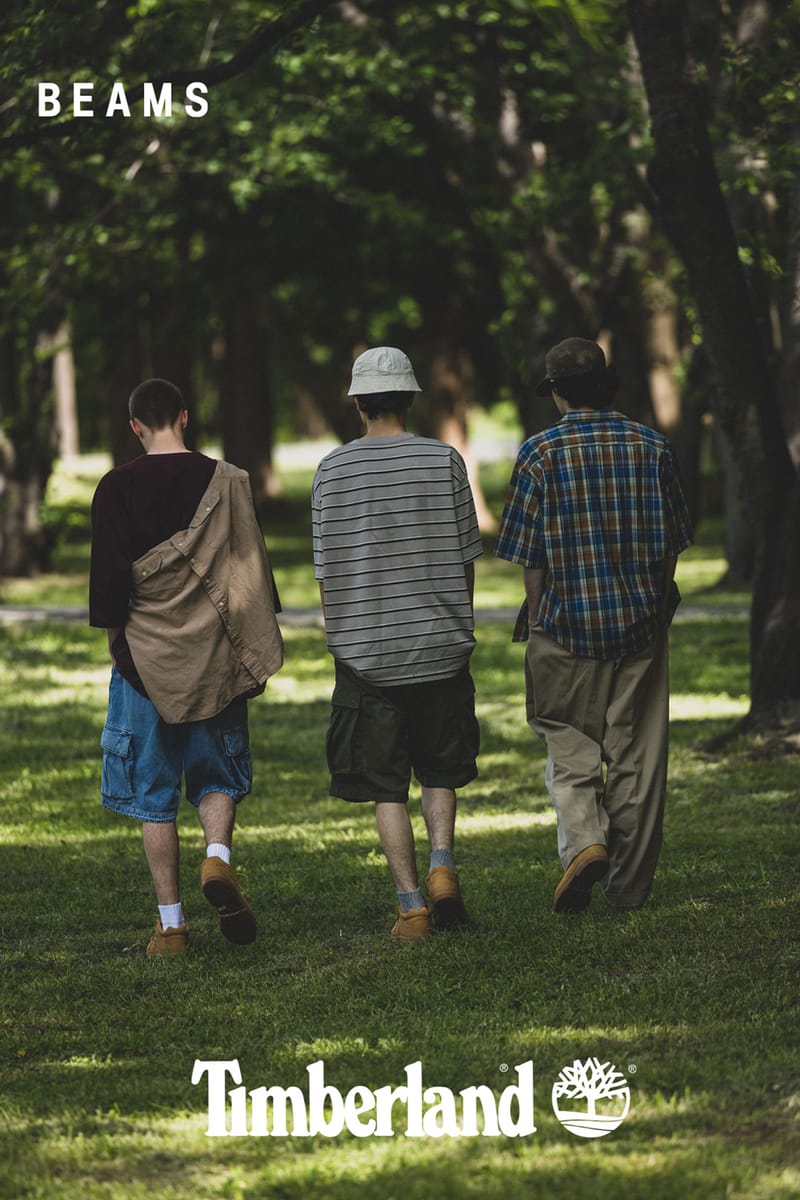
(579,1090)
(425,1110)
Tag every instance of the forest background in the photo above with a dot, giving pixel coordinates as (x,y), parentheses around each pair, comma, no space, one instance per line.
(470,181)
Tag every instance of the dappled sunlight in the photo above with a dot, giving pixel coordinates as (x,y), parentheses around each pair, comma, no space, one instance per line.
(498,822)
(314,834)
(687,707)
(694,574)
(84,839)
(283,688)
(171,1155)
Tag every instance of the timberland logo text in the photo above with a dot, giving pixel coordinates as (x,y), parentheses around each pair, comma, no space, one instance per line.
(425,1110)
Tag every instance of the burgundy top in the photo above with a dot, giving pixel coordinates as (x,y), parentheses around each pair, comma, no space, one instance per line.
(136,507)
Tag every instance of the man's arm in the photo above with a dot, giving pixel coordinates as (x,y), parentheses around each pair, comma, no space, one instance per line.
(113,634)
(322,598)
(469,573)
(534,586)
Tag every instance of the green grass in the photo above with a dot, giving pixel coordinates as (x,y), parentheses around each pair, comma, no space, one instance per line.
(697,992)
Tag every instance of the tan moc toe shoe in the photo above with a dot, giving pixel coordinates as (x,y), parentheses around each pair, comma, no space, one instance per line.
(444,890)
(237,921)
(574,891)
(169,941)
(411,925)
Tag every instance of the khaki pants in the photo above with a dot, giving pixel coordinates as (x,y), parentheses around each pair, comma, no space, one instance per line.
(605,725)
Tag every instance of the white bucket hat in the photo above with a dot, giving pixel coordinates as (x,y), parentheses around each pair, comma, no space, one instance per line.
(382,369)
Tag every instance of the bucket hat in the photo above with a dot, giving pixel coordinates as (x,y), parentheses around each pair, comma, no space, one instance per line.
(382,369)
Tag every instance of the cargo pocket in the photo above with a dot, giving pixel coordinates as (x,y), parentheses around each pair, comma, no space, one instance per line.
(240,764)
(117,777)
(340,743)
(469,729)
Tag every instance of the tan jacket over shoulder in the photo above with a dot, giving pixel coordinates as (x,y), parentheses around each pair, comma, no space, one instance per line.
(201,624)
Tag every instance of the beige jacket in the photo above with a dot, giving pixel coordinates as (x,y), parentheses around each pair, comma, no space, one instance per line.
(201,624)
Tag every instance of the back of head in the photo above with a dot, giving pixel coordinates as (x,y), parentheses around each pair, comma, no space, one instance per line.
(590,390)
(383,382)
(156,403)
(384,404)
(576,369)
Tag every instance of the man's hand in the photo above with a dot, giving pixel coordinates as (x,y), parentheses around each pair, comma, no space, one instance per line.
(534,586)
(113,634)
(469,573)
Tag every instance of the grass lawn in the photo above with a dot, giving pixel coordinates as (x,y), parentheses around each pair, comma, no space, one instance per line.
(694,998)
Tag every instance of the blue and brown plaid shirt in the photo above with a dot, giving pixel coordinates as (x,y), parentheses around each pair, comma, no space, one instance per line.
(595,500)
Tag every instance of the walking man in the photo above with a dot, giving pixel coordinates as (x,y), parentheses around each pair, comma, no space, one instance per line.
(181,581)
(395,539)
(596,517)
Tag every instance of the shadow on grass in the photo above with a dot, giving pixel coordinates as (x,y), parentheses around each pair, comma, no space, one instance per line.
(698,990)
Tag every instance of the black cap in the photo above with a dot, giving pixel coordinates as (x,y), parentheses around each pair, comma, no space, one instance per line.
(574,356)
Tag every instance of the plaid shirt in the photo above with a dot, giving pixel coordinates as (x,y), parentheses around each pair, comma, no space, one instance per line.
(595,500)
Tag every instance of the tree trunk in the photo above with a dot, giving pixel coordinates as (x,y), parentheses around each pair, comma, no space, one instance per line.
(684,179)
(245,405)
(443,415)
(65,397)
(790,333)
(740,532)
(26,459)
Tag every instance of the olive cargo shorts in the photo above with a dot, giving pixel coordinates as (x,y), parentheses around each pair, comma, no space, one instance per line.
(378,734)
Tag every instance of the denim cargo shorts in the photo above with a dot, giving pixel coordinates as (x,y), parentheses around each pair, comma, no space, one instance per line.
(144,758)
(378,734)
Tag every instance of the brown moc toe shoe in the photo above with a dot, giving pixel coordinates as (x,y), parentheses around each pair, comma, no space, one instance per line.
(574,891)
(445,893)
(164,942)
(237,921)
(416,923)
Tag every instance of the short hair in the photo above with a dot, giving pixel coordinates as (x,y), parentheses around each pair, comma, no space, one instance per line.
(381,404)
(594,389)
(157,403)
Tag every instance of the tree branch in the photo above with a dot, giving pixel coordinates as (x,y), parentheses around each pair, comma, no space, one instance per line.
(266,38)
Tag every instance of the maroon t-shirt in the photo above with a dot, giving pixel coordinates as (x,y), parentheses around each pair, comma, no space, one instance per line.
(135,508)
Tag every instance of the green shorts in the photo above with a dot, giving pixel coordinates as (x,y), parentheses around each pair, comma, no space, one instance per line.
(378,734)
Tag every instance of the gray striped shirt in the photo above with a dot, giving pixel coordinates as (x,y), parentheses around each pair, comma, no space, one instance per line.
(393,527)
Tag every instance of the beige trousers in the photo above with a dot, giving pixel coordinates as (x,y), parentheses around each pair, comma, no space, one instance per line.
(606,728)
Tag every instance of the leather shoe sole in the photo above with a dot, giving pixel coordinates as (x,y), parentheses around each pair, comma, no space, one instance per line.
(574,891)
(237,921)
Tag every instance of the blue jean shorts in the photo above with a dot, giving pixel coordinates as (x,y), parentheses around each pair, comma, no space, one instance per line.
(145,759)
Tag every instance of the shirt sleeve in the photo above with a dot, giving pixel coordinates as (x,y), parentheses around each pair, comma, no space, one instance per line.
(316,528)
(521,536)
(464,506)
(678,531)
(110,565)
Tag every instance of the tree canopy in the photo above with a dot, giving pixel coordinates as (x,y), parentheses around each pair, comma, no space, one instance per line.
(466,179)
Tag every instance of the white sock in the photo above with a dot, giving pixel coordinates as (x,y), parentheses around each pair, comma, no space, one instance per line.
(171,915)
(218,850)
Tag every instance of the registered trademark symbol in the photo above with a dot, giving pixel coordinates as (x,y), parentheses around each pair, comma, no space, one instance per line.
(632,1068)
(504,1067)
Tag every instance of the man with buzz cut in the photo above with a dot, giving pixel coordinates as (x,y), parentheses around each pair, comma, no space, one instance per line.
(395,539)
(181,581)
(596,518)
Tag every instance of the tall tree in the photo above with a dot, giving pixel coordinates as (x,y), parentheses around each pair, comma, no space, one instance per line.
(684,178)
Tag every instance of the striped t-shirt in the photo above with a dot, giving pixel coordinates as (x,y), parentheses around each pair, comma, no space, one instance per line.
(394,525)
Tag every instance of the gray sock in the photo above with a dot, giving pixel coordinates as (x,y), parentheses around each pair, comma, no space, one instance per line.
(443,858)
(409,900)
